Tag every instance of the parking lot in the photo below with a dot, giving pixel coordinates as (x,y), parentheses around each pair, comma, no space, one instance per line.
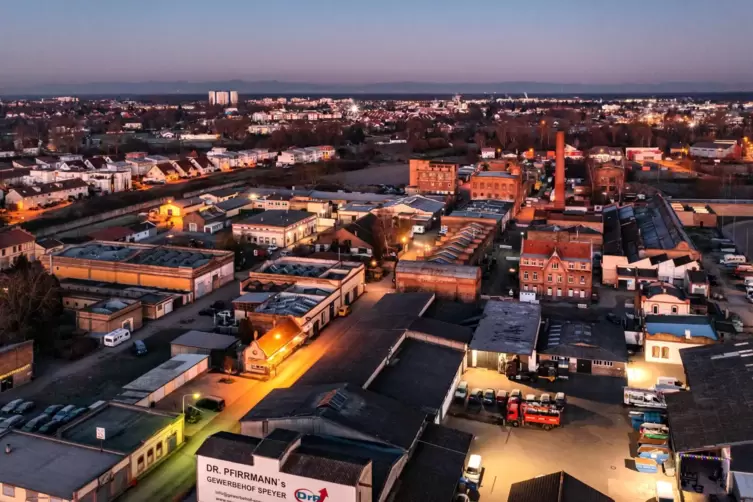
(595,443)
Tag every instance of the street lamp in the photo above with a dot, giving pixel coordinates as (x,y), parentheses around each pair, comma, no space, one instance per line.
(405,243)
(195,396)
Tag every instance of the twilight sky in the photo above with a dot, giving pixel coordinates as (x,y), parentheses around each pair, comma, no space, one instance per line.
(357,41)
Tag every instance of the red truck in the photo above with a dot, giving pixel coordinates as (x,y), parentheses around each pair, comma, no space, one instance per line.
(547,416)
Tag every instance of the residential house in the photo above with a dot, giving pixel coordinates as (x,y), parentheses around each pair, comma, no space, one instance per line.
(163,172)
(666,335)
(556,270)
(14,243)
(662,298)
(188,168)
(355,238)
(204,165)
(209,220)
(38,195)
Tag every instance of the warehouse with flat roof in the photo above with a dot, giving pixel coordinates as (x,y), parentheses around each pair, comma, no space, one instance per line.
(190,271)
(145,436)
(35,467)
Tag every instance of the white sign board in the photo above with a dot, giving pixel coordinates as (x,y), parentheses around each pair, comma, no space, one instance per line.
(223,481)
(101,433)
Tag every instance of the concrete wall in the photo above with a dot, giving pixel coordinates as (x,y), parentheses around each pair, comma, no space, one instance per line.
(88,220)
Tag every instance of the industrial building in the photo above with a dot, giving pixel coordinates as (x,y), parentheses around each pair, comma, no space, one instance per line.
(708,425)
(352,417)
(506,329)
(192,272)
(143,436)
(215,345)
(346,277)
(16,364)
(276,227)
(433,177)
(35,467)
(480,211)
(466,245)
(154,385)
(633,234)
(109,314)
(398,349)
(597,349)
(452,282)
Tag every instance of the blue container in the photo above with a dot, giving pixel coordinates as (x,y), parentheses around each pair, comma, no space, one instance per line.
(660,455)
(646,465)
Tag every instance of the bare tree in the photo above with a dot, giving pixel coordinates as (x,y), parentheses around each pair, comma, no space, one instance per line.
(29,301)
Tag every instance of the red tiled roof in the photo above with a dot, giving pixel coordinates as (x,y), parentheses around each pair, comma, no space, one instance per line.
(14,237)
(566,251)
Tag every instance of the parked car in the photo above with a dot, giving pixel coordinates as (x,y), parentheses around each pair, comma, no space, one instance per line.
(36,422)
(8,408)
(502,397)
(24,407)
(219,305)
(285,252)
(52,409)
(461,392)
(212,403)
(63,412)
(50,427)
(209,312)
(139,348)
(13,422)
(272,248)
(490,397)
(70,417)
(476,397)
(614,318)
(344,311)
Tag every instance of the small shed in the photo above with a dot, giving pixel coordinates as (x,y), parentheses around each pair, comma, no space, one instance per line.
(215,345)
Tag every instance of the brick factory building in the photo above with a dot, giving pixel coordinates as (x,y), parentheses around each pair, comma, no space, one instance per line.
(498,185)
(555,270)
(433,177)
(193,272)
(607,180)
(452,282)
(575,233)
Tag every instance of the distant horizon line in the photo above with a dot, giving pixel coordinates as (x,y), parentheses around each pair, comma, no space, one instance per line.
(286,87)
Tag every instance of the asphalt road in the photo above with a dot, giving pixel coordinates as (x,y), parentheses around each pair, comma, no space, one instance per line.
(177,475)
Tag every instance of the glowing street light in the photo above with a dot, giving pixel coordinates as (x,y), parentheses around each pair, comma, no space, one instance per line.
(195,397)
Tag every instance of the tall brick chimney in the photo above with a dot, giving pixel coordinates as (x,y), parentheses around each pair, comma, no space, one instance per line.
(559,172)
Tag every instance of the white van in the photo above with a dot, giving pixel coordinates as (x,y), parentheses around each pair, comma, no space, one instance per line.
(419,229)
(748,281)
(116,337)
(473,470)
